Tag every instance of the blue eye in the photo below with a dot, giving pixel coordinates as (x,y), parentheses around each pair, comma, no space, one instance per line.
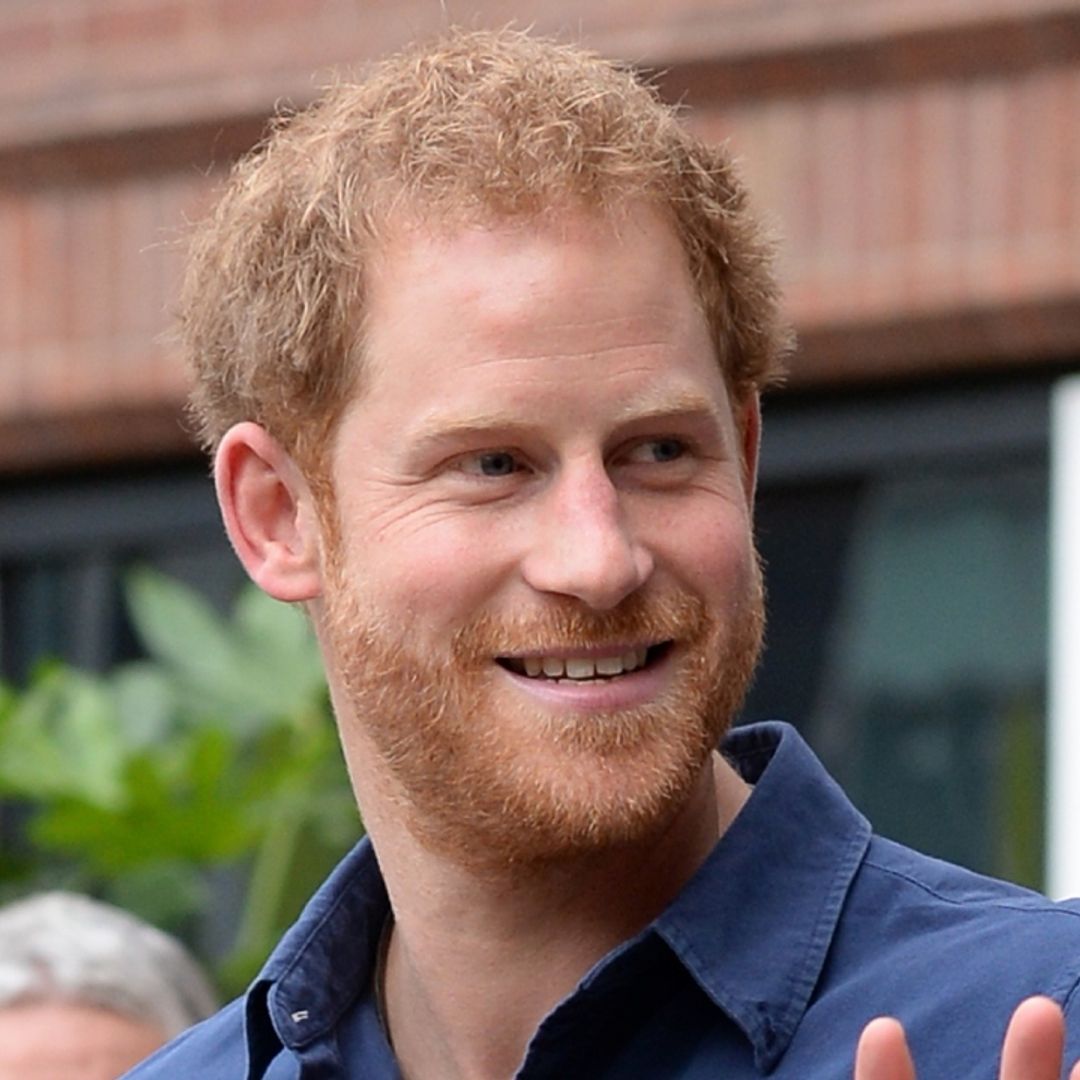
(664,450)
(496,463)
(667,449)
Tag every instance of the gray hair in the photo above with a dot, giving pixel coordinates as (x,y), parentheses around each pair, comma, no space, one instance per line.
(66,947)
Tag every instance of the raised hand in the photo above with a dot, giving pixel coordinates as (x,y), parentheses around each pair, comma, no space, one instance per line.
(1033,1049)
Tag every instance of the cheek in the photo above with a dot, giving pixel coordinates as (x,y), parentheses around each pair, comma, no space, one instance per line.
(439,578)
(712,554)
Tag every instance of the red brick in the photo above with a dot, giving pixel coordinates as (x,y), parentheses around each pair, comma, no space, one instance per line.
(41,253)
(882,202)
(185,200)
(245,14)
(128,25)
(43,381)
(988,118)
(1072,184)
(10,275)
(93,278)
(1037,150)
(156,254)
(773,170)
(108,258)
(11,302)
(1012,149)
(796,180)
(11,388)
(1062,122)
(135,264)
(62,306)
(940,169)
(22,259)
(837,130)
(811,181)
(897,194)
(25,35)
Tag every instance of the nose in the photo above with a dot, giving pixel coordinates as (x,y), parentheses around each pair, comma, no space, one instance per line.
(583,544)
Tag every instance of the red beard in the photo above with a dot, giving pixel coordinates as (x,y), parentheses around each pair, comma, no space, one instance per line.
(487,777)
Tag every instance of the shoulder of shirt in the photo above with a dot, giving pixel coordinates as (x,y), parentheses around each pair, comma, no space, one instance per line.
(912,873)
(982,924)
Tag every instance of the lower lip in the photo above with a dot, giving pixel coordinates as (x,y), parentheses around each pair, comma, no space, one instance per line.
(639,687)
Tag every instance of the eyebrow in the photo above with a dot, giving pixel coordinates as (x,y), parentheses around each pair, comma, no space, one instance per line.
(640,409)
(685,404)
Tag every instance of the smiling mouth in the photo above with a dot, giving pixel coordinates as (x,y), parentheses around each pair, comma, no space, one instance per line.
(571,668)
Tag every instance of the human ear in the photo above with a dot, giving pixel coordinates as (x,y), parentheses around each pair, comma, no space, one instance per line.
(269,513)
(748,420)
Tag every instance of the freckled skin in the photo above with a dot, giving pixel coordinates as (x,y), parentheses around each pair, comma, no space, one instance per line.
(64,1041)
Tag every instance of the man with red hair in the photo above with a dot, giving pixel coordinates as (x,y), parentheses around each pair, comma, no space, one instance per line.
(478,344)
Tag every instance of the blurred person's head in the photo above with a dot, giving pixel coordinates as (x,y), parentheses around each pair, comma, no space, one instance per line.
(88,990)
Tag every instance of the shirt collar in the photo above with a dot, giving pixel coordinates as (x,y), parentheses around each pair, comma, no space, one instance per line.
(322,963)
(755,923)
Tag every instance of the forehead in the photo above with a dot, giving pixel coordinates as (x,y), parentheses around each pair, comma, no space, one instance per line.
(409,239)
(563,282)
(55,1038)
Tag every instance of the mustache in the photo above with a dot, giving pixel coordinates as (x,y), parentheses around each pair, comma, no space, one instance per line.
(564,624)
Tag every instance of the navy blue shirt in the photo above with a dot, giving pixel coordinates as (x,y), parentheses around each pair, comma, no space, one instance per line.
(799,928)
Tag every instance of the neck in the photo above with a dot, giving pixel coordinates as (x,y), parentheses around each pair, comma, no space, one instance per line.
(465,1004)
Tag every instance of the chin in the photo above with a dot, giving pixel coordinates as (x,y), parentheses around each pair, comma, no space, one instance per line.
(580,790)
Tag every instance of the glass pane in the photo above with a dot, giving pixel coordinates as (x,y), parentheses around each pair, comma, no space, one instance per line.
(68,544)
(910,639)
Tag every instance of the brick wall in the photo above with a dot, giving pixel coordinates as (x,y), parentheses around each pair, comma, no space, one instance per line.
(922,161)
(944,212)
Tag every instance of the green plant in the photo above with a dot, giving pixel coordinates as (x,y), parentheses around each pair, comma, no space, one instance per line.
(171,783)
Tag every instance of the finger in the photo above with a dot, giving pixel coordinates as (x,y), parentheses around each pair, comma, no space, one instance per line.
(882,1053)
(1034,1042)
(1075,1074)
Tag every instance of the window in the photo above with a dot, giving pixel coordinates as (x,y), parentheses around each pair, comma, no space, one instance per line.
(905,543)
(64,546)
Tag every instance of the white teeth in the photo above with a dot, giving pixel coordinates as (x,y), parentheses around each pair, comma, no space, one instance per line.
(582,668)
(610,665)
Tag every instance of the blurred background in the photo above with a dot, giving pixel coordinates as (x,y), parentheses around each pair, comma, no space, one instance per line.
(164,739)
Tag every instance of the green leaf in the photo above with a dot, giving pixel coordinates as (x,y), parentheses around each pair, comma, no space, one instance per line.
(193,647)
(180,806)
(7,701)
(216,756)
(61,739)
(174,622)
(247,675)
(279,629)
(165,892)
(279,654)
(145,702)
(180,629)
